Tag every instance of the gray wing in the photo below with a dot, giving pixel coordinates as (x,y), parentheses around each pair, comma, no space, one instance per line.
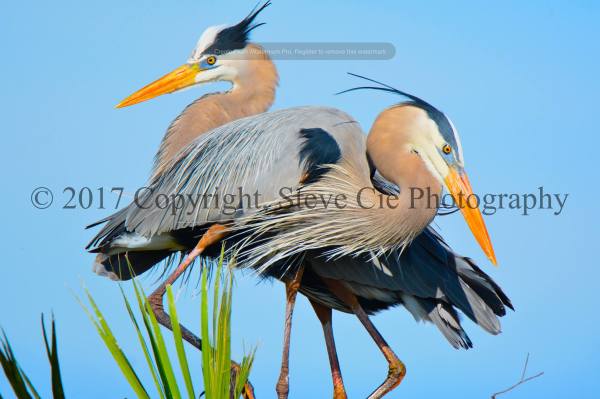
(229,171)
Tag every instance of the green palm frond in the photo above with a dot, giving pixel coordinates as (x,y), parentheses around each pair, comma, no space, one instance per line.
(216,347)
(216,344)
(20,383)
(52,352)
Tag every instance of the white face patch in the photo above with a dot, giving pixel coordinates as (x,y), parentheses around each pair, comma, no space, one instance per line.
(426,142)
(206,40)
(222,72)
(459,156)
(228,67)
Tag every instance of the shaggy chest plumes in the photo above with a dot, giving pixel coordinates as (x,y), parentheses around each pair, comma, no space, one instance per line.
(341,212)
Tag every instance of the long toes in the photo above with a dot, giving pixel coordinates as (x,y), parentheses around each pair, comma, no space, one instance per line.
(248,391)
(396,373)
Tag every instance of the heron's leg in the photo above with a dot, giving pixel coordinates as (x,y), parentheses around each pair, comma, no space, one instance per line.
(324,315)
(213,235)
(291,289)
(397,370)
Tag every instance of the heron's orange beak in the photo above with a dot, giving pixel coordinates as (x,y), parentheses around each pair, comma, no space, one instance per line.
(180,78)
(460,188)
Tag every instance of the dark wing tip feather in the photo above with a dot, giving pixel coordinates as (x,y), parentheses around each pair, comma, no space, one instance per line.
(97,223)
(497,290)
(445,317)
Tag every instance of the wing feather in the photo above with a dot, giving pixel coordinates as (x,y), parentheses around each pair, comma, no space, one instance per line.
(208,181)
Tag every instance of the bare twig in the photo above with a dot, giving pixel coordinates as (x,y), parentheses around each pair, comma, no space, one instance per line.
(523,380)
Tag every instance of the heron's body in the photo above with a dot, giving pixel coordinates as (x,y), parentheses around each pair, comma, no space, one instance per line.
(254,81)
(262,159)
(426,277)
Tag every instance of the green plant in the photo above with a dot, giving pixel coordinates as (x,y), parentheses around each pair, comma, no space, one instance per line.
(216,347)
(20,383)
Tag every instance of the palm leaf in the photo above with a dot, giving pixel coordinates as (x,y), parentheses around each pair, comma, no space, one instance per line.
(183,363)
(144,346)
(98,320)
(52,352)
(14,374)
(216,343)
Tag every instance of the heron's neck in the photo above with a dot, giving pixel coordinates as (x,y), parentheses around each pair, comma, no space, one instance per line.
(410,211)
(252,93)
(404,215)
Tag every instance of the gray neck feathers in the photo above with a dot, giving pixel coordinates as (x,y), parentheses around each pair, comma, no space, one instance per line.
(251,94)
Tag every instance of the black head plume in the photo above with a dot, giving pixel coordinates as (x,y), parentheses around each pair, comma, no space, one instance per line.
(389,89)
(444,124)
(236,37)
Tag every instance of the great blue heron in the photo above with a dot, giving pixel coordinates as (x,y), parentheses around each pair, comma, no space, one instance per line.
(361,257)
(223,53)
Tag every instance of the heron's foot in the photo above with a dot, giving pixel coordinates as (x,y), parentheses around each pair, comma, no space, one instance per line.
(396,373)
(283,385)
(339,392)
(248,390)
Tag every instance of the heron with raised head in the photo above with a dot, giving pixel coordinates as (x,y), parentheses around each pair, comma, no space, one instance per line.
(223,53)
(373,252)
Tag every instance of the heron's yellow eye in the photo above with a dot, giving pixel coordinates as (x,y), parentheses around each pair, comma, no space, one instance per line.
(446,149)
(211,60)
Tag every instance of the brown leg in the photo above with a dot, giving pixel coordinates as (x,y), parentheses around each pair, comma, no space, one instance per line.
(324,315)
(397,370)
(291,289)
(213,235)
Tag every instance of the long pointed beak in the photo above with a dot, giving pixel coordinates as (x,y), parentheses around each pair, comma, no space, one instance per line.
(180,78)
(460,188)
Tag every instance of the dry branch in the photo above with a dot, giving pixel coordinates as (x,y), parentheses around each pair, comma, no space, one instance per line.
(523,379)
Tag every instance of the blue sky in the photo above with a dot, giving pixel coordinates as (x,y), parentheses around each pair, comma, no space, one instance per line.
(519,80)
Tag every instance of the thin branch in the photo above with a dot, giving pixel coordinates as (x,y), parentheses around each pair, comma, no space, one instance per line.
(525,367)
(523,380)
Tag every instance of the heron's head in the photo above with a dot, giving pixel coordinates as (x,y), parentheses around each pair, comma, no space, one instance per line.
(418,128)
(223,53)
